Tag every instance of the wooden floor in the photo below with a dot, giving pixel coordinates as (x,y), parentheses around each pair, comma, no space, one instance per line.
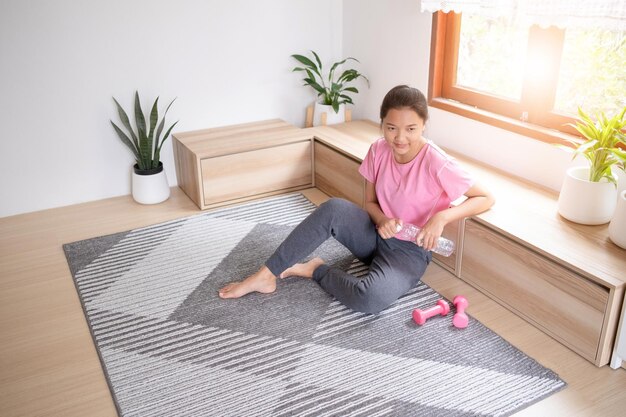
(49,366)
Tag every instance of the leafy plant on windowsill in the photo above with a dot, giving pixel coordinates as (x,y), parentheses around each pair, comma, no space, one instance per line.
(601,145)
(144,144)
(332,88)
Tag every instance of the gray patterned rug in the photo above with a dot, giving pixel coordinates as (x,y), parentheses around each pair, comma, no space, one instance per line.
(171,347)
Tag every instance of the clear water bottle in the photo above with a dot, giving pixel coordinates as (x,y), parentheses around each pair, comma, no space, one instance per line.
(409,231)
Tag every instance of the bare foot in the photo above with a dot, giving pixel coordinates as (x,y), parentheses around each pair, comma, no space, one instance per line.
(262,281)
(303,270)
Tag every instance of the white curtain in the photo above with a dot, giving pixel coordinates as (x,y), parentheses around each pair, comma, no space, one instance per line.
(604,14)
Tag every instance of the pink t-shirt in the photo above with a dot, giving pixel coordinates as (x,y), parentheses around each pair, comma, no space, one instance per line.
(416,190)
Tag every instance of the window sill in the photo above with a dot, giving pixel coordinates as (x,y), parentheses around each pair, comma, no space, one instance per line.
(517,126)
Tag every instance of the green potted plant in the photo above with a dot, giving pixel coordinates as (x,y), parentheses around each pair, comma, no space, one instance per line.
(589,193)
(332,88)
(149,182)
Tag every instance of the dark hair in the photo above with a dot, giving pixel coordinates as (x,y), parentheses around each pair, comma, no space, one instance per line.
(404,96)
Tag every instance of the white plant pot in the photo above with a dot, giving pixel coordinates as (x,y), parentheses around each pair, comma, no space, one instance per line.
(332,118)
(586,202)
(150,188)
(617,227)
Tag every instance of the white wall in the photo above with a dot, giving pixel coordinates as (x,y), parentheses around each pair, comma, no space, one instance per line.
(227,61)
(392,39)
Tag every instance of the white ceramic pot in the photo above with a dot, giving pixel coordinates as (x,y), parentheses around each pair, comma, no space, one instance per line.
(617,227)
(332,118)
(586,202)
(150,187)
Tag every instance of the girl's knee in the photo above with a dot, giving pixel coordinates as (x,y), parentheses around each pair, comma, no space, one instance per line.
(335,210)
(335,204)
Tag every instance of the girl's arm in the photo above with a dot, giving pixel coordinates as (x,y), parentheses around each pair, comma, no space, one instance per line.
(478,200)
(386,226)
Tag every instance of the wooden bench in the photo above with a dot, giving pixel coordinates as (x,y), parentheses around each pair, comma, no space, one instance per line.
(230,164)
(566,279)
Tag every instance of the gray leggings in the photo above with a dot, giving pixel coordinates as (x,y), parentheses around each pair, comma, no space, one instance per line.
(395,266)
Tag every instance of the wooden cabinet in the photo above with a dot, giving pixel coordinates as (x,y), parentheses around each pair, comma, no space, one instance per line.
(559,301)
(247,174)
(235,163)
(566,279)
(338,175)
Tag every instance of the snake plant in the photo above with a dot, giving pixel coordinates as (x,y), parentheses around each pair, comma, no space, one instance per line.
(144,143)
(601,145)
(332,87)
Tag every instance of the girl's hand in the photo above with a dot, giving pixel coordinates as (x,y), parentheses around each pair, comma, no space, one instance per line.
(430,233)
(388,228)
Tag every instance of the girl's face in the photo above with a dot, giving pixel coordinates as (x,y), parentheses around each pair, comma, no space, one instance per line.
(403,129)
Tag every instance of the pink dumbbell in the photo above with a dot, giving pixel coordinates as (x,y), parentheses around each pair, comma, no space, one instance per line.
(460,319)
(420,316)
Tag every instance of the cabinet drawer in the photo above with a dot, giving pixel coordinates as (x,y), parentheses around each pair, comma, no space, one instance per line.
(338,175)
(557,300)
(255,172)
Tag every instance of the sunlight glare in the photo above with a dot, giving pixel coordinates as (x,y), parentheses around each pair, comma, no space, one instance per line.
(538,66)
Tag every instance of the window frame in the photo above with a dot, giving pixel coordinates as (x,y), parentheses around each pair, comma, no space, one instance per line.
(541,123)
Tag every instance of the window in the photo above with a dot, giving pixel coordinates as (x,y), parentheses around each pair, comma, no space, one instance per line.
(529,80)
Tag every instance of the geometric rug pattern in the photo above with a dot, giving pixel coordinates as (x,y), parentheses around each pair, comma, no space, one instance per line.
(170,346)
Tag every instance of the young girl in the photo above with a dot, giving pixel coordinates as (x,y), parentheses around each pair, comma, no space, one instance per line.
(409,180)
